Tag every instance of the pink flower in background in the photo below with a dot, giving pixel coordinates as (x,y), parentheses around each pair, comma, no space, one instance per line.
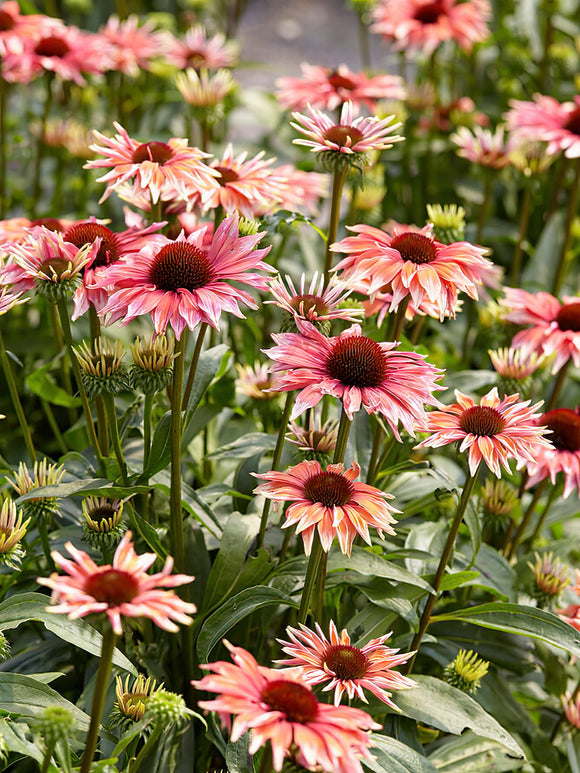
(133,45)
(158,168)
(285,712)
(182,283)
(344,667)
(68,52)
(16,229)
(350,135)
(411,262)
(113,246)
(243,185)
(298,190)
(15,26)
(317,302)
(555,326)
(423,25)
(571,706)
(494,431)
(564,457)
(44,257)
(120,589)
(358,371)
(484,147)
(200,50)
(331,501)
(8,300)
(328,89)
(547,120)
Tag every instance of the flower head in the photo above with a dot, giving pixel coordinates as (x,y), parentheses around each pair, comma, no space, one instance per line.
(316,440)
(494,431)
(123,589)
(12,530)
(199,50)
(102,521)
(499,500)
(563,456)
(181,283)
(163,169)
(152,366)
(328,89)
(347,137)
(483,147)
(553,327)
(344,667)
(423,25)
(466,671)
(282,710)
(8,300)
(133,45)
(356,370)
(411,262)
(255,381)
(24,481)
(547,120)
(448,221)
(550,579)
(102,369)
(54,725)
(571,708)
(132,698)
(205,90)
(298,190)
(317,302)
(330,500)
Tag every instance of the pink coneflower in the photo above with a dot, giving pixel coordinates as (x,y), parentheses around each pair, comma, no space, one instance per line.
(243,185)
(255,381)
(15,25)
(113,246)
(356,370)
(517,364)
(120,589)
(327,89)
(381,305)
(350,135)
(180,283)
(298,190)
(564,457)
(494,431)
(281,710)
(346,668)
(133,45)
(316,437)
(65,51)
(571,706)
(9,299)
(330,500)
(16,229)
(204,89)
(483,147)
(423,25)
(411,262)
(153,166)
(45,261)
(198,50)
(547,120)
(555,326)
(316,303)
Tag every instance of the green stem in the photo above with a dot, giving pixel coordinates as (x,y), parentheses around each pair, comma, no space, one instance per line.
(511,549)
(147,411)
(47,758)
(484,209)
(399,319)
(342,438)
(101,684)
(443,561)
(109,402)
(68,339)
(45,542)
(275,463)
(156,211)
(377,442)
(554,494)
(524,221)
(54,426)
(175,508)
(36,186)
(193,366)
(337,185)
(558,384)
(570,215)
(148,747)
(16,400)
(266,765)
(102,425)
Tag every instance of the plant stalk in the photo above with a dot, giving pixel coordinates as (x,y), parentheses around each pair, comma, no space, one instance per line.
(109,402)
(175,508)
(12,388)
(193,365)
(338,180)
(101,684)
(570,215)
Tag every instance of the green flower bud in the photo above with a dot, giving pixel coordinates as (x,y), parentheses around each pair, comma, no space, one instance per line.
(466,671)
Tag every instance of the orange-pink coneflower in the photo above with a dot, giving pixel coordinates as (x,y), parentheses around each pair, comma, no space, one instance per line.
(495,431)
(547,120)
(331,501)
(360,372)
(120,589)
(277,708)
(564,456)
(199,50)
(342,667)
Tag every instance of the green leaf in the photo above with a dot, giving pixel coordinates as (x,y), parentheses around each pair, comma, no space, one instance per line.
(14,734)
(446,708)
(540,270)
(238,759)
(235,609)
(470,754)
(148,533)
(33,606)
(192,502)
(66,489)
(23,695)
(456,579)
(210,365)
(525,621)
(41,383)
(392,756)
(368,563)
(247,445)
